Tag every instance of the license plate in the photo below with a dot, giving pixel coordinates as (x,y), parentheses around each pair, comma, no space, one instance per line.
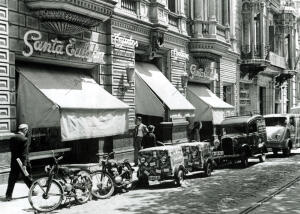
(218,153)
(154,178)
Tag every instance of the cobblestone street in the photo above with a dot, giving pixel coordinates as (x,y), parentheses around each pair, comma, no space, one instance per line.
(229,190)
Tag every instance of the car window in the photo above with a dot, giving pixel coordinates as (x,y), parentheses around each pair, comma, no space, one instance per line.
(233,129)
(275,121)
(252,127)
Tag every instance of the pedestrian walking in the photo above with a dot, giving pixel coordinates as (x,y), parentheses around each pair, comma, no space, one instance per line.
(195,135)
(19,147)
(139,132)
(149,140)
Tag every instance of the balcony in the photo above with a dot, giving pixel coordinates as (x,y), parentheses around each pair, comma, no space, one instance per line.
(254,59)
(209,36)
(277,60)
(129,6)
(67,17)
(173,20)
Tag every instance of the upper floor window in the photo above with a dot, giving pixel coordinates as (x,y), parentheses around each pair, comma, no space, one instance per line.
(172,5)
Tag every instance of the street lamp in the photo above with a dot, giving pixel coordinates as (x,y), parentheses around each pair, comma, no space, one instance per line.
(184,82)
(130,78)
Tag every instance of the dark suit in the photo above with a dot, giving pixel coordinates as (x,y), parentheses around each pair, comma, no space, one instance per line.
(19,147)
(149,140)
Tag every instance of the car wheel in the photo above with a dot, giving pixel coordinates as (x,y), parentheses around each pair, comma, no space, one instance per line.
(142,180)
(244,160)
(208,169)
(286,151)
(275,151)
(179,177)
(262,158)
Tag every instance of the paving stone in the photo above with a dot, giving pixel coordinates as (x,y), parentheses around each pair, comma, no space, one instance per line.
(228,190)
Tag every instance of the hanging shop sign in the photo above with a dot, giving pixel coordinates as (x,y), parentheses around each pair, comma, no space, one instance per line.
(121,41)
(89,51)
(179,54)
(208,74)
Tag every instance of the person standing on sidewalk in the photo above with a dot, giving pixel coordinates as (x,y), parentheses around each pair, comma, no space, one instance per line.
(195,135)
(149,140)
(19,147)
(139,132)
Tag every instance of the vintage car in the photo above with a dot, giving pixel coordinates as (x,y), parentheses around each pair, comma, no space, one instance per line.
(242,137)
(161,163)
(282,132)
(197,157)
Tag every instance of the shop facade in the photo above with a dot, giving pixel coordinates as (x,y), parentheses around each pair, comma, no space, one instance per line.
(77,86)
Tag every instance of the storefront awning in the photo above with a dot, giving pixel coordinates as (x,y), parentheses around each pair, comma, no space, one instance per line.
(209,107)
(154,90)
(72,100)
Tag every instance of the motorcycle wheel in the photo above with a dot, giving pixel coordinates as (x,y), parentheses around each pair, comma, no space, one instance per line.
(128,177)
(45,203)
(83,185)
(102,185)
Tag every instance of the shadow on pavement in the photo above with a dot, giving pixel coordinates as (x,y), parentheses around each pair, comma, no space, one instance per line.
(228,191)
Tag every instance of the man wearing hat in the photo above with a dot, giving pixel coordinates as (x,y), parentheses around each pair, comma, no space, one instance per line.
(139,132)
(19,147)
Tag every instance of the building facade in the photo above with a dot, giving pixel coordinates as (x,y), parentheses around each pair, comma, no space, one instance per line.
(79,72)
(267,38)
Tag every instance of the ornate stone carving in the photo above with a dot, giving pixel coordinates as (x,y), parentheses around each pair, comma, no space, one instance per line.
(157,39)
(71,16)
(284,76)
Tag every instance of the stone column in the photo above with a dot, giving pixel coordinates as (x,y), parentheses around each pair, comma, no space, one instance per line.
(252,31)
(198,14)
(212,18)
(212,10)
(181,7)
(198,9)
(226,13)
(261,29)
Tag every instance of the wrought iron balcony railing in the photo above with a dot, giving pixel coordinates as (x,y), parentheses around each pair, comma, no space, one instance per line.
(173,20)
(255,52)
(129,5)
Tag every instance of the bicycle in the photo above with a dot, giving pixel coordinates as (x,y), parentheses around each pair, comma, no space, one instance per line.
(112,175)
(47,193)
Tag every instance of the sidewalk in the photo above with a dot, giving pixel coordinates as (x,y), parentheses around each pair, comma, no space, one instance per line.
(19,204)
(287,202)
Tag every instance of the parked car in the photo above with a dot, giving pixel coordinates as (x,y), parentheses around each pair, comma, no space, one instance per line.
(282,130)
(197,157)
(160,164)
(242,137)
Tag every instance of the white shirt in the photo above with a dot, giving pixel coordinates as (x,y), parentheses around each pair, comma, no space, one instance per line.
(140,131)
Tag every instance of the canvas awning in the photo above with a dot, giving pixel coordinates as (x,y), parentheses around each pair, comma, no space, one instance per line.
(70,99)
(209,107)
(154,92)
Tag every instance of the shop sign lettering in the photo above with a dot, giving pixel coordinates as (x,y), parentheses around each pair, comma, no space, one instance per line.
(179,54)
(33,42)
(121,41)
(207,73)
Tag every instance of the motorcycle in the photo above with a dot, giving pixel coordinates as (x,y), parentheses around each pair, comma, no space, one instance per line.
(113,176)
(48,193)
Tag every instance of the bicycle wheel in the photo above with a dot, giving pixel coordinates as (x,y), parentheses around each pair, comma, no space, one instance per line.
(45,203)
(83,185)
(103,185)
